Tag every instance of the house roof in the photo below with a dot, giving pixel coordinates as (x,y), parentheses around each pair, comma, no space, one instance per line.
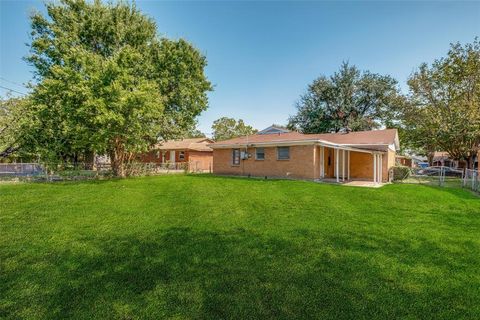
(273,129)
(371,140)
(440,155)
(196,144)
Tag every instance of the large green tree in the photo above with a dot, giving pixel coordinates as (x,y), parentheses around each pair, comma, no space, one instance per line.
(107,83)
(15,122)
(194,133)
(347,100)
(227,128)
(444,109)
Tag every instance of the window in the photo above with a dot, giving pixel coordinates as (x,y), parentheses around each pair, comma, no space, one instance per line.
(236,157)
(259,153)
(283,153)
(181,155)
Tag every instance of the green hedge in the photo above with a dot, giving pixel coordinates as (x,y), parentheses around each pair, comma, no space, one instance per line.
(400,173)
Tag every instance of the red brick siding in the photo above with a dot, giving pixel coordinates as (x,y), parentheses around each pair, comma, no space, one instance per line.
(301,165)
(200,160)
(304,163)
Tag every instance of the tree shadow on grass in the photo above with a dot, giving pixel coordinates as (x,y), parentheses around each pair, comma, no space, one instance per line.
(463,193)
(238,274)
(457,191)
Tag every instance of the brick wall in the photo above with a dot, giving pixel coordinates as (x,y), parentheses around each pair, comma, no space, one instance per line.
(200,160)
(304,163)
(361,165)
(301,164)
(203,158)
(388,162)
(150,157)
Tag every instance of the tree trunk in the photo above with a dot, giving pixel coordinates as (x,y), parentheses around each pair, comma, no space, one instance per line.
(430,158)
(88,159)
(75,160)
(117,158)
(471,162)
(128,160)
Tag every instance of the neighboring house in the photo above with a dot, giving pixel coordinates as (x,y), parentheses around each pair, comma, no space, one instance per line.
(412,161)
(443,159)
(404,161)
(365,155)
(175,153)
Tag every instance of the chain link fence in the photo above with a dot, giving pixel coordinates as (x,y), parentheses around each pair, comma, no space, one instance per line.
(438,176)
(471,180)
(91,171)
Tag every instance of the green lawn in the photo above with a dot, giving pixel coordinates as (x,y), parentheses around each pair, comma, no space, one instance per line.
(203,247)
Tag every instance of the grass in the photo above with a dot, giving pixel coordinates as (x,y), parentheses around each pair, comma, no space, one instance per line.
(204,247)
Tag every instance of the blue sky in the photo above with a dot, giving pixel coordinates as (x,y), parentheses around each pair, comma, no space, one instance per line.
(262,55)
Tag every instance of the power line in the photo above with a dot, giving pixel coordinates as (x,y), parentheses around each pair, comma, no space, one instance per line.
(12,90)
(13,82)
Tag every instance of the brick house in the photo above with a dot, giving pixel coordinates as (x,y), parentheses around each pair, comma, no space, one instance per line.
(175,154)
(364,155)
(405,161)
(443,159)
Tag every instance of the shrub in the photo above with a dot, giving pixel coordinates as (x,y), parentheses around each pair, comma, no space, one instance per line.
(400,173)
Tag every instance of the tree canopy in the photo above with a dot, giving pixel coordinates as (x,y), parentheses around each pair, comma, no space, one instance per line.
(347,100)
(108,83)
(14,124)
(443,113)
(193,132)
(227,128)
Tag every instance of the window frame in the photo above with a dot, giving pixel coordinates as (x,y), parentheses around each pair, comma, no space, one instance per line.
(238,157)
(181,155)
(278,153)
(256,154)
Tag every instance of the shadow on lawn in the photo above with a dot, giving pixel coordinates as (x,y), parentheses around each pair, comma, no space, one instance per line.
(238,275)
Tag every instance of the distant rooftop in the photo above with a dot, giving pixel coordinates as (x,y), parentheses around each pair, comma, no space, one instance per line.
(196,144)
(273,129)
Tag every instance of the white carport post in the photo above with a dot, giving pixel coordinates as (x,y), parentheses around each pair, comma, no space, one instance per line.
(322,162)
(348,165)
(343,165)
(374,167)
(380,168)
(336,165)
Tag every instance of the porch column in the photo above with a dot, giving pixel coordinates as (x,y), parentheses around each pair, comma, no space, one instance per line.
(322,162)
(374,167)
(348,165)
(343,165)
(336,165)
(380,168)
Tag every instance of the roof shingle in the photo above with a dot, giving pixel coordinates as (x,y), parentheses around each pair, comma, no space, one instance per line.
(373,137)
